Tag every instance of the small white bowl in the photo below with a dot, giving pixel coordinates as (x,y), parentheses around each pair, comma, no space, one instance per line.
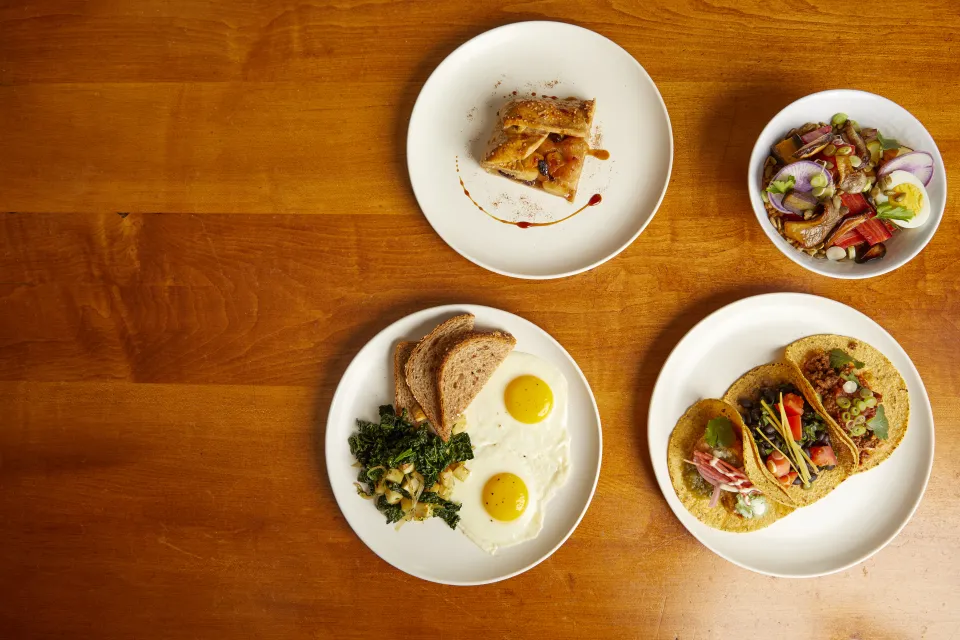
(869,110)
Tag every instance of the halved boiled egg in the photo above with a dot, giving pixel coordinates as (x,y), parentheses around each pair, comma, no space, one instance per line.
(903,189)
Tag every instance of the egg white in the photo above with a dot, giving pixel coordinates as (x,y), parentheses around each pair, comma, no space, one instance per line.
(905,177)
(538,453)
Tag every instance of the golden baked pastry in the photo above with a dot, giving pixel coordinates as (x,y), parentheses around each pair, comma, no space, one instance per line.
(542,144)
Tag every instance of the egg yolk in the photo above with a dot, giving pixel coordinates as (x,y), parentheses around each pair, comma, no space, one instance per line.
(505,497)
(528,399)
(909,196)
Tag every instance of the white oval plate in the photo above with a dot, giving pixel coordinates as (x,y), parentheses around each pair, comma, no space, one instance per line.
(430,550)
(454,117)
(860,516)
(870,110)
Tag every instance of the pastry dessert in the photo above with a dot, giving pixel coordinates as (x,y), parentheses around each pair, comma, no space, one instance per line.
(542,144)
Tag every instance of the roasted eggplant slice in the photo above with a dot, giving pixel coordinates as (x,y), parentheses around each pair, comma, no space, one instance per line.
(875,252)
(810,233)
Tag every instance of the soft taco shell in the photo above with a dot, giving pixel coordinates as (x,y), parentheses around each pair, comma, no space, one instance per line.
(879,373)
(767,375)
(685,435)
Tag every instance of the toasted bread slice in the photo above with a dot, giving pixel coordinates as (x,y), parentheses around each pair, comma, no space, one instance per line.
(403,397)
(465,368)
(424,362)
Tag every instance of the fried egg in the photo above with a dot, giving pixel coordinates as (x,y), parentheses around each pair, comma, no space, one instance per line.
(904,189)
(518,427)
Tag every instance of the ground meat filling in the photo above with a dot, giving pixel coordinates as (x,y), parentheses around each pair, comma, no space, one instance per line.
(826,382)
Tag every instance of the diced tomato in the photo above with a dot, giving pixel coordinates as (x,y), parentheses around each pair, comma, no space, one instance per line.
(856,203)
(788,479)
(823,456)
(777,464)
(795,427)
(849,239)
(874,231)
(793,404)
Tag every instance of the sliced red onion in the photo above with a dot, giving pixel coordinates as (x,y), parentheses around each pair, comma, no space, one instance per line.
(715,497)
(802,171)
(919,163)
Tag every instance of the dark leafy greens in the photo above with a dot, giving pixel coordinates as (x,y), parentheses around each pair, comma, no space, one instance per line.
(395,441)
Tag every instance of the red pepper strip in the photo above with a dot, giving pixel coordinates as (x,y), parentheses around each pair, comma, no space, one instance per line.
(850,239)
(874,231)
(856,203)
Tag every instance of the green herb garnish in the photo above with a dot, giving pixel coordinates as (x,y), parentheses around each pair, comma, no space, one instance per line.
(719,433)
(781,186)
(887,143)
(887,211)
(879,424)
(839,358)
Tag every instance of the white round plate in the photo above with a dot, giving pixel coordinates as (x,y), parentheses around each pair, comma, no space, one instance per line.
(431,550)
(454,118)
(869,110)
(860,516)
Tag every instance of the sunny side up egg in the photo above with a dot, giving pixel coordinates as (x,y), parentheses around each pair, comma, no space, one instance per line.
(518,427)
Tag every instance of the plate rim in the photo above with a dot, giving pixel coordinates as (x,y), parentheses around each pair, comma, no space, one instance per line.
(794,256)
(666,485)
(330,443)
(449,60)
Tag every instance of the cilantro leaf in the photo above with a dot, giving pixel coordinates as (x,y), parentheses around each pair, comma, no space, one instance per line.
(879,424)
(839,358)
(781,186)
(719,433)
(887,143)
(887,211)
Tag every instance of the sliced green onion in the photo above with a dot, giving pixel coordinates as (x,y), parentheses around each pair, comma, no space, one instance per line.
(858,430)
(871,402)
(763,196)
(843,402)
(854,411)
(830,149)
(844,151)
(819,192)
(861,405)
(856,126)
(865,393)
(839,118)
(855,161)
(845,416)
(819,180)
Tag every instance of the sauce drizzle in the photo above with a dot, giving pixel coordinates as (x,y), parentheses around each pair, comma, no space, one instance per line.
(594,200)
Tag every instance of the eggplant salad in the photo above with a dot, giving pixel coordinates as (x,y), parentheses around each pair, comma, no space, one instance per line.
(837,191)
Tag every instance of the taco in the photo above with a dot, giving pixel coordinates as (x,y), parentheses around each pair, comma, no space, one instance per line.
(795,446)
(859,389)
(712,471)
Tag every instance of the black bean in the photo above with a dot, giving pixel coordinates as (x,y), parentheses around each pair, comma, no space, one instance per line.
(821,441)
(756,413)
(797,480)
(769,396)
(813,477)
(746,403)
(769,430)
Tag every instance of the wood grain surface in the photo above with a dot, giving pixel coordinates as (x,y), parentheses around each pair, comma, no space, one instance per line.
(206,213)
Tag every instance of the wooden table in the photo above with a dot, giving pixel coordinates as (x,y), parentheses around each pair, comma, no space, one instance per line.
(207,213)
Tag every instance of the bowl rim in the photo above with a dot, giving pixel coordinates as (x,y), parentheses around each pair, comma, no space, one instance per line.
(802,259)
